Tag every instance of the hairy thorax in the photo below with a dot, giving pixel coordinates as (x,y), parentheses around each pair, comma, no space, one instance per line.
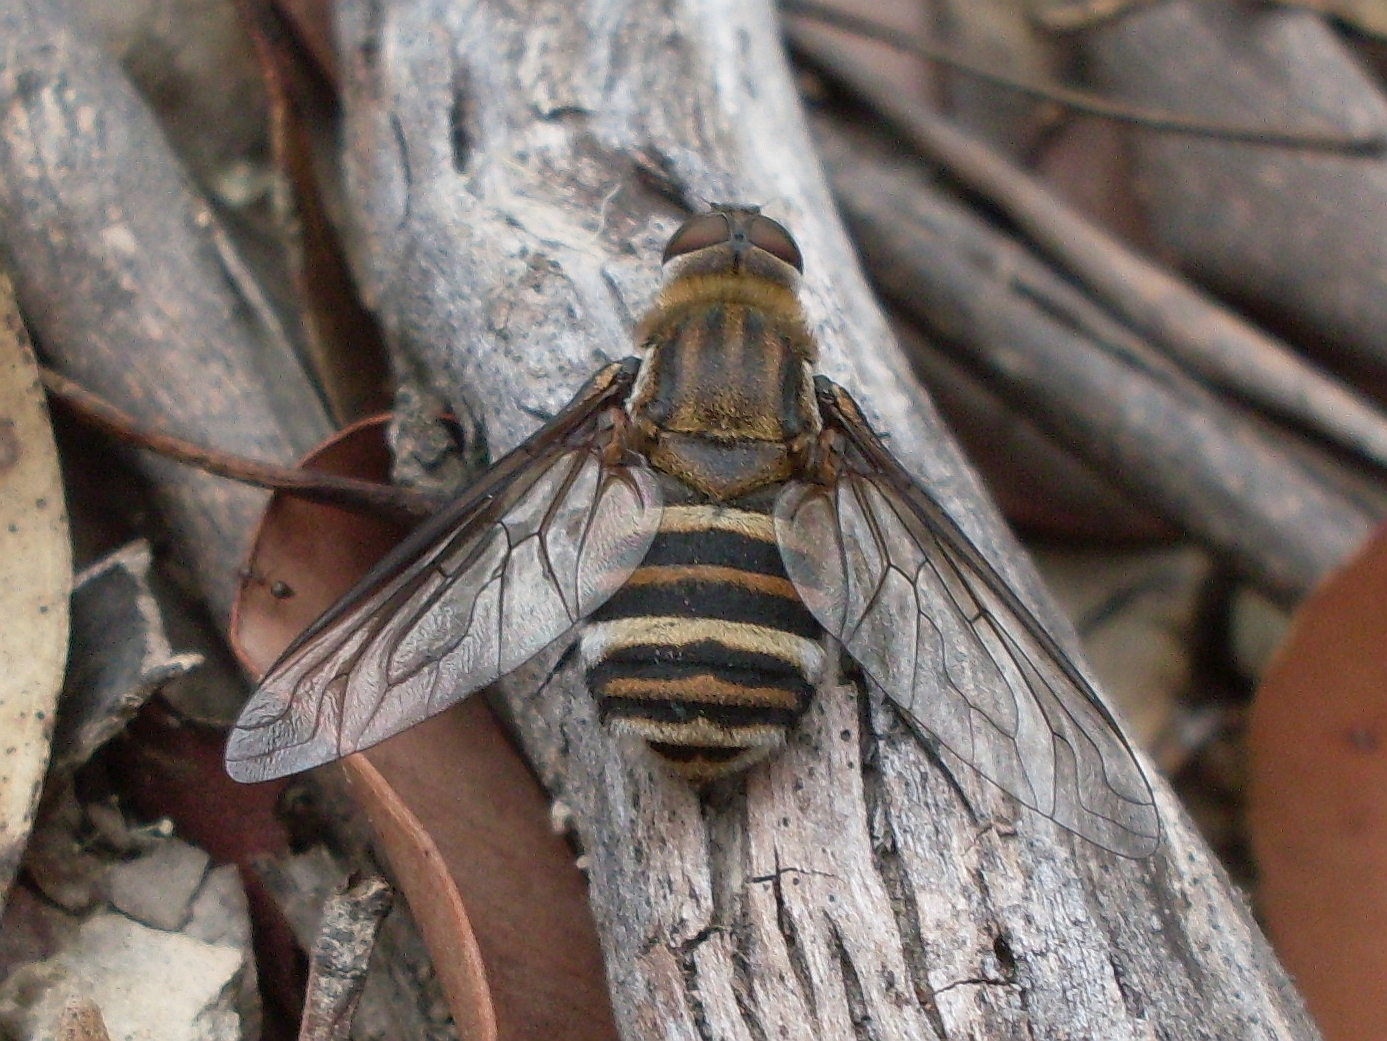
(725,401)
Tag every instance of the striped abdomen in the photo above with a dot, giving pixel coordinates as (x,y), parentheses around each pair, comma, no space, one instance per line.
(707,653)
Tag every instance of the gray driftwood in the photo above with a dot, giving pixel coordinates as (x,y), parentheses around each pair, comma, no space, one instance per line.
(1202,336)
(850,888)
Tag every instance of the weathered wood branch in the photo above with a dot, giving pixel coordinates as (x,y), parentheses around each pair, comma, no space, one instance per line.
(1294,235)
(1285,519)
(1207,339)
(849,888)
(132,289)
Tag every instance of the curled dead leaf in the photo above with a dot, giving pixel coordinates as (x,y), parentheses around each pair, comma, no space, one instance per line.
(35,579)
(1318,798)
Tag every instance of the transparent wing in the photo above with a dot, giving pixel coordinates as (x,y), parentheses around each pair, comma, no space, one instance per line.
(551,532)
(934,625)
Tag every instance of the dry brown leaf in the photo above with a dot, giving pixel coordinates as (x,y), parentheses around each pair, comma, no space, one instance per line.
(312,22)
(35,579)
(305,556)
(442,918)
(1318,799)
(343,343)
(496,894)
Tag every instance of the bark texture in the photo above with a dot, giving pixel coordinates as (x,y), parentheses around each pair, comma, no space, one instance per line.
(850,888)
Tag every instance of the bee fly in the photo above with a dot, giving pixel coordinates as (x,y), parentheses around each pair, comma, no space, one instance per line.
(702,517)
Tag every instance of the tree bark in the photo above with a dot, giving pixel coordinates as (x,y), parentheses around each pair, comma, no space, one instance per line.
(850,888)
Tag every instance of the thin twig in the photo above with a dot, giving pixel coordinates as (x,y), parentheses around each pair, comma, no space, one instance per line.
(1371,145)
(341,956)
(387,500)
(1203,337)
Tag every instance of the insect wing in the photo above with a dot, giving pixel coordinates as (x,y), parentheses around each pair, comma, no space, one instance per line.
(898,583)
(548,536)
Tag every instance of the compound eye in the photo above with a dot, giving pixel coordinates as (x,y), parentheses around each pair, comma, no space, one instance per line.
(696,233)
(772,237)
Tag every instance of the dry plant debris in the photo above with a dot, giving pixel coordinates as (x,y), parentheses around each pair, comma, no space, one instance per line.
(188,304)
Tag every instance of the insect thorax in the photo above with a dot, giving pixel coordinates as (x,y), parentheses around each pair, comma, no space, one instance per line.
(725,399)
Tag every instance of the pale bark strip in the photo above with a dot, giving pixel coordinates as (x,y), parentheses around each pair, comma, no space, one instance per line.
(341,955)
(850,888)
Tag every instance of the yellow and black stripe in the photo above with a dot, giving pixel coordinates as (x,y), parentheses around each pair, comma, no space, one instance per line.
(707,653)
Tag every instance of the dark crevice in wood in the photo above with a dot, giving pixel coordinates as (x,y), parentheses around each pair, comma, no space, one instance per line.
(656,171)
(861,1019)
(931,748)
(798,963)
(374,25)
(1131,997)
(688,967)
(1006,957)
(460,119)
(903,905)
(402,145)
(743,987)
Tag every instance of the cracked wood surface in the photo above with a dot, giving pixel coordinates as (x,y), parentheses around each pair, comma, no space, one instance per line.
(850,888)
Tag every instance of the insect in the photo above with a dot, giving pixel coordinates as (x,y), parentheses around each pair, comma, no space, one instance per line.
(701,518)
